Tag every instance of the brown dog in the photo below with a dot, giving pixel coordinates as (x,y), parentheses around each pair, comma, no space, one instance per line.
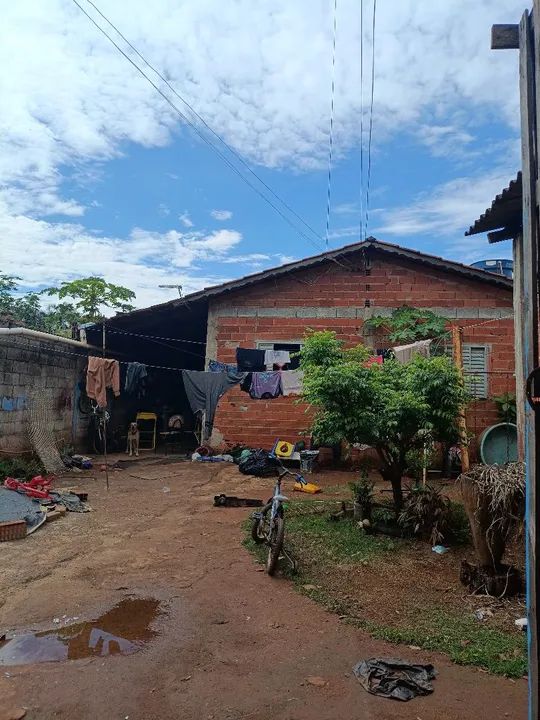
(133,440)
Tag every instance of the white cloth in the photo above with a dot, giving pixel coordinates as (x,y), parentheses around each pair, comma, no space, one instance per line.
(291,382)
(276,357)
(405,353)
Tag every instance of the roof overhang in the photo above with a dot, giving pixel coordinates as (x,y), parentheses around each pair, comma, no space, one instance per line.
(503,219)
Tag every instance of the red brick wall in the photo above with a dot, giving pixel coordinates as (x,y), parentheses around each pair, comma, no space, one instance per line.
(389,285)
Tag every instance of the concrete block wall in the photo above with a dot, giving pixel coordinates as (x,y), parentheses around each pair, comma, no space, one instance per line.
(333,297)
(36,364)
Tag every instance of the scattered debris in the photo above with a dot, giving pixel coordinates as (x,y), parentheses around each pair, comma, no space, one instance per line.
(440,549)
(521,623)
(394,678)
(316,681)
(186,678)
(482,613)
(166,489)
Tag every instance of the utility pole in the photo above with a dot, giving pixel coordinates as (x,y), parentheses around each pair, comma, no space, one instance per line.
(526,38)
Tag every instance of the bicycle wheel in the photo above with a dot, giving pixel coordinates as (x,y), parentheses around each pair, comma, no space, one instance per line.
(276,543)
(259,525)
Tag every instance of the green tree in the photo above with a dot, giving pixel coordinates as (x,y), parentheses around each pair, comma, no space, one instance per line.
(407,324)
(91,294)
(391,407)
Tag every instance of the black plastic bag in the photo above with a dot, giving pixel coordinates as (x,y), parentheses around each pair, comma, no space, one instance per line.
(393,678)
(258,463)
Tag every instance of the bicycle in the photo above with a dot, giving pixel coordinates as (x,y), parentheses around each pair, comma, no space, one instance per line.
(268,524)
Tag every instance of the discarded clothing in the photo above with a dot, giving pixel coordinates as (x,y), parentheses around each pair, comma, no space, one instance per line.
(14,506)
(216,366)
(405,353)
(374,360)
(71,501)
(280,358)
(231,501)
(265,385)
(291,382)
(386,354)
(136,379)
(249,360)
(100,375)
(204,390)
(393,678)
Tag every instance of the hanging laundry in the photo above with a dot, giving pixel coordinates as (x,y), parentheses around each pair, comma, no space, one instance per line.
(216,366)
(280,358)
(250,360)
(405,353)
(136,379)
(100,375)
(245,385)
(204,390)
(291,382)
(265,385)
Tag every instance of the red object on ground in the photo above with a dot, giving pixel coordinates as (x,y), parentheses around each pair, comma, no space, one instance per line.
(38,487)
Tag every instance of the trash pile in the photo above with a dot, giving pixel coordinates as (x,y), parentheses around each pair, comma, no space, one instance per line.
(25,506)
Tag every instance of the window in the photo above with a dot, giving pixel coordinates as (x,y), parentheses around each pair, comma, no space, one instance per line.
(475,370)
(291,347)
(475,365)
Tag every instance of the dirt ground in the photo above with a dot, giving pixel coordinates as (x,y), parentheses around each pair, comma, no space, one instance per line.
(231,643)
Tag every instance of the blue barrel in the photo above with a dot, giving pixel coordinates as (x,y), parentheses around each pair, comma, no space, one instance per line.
(498,444)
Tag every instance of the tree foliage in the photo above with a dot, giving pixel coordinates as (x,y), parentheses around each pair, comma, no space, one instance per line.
(407,324)
(91,294)
(392,407)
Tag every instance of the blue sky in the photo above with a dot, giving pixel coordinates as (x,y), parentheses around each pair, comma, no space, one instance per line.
(101,177)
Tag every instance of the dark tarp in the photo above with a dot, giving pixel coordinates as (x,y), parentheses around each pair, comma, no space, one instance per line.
(393,678)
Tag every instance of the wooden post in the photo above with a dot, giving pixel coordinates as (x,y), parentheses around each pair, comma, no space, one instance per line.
(528,80)
(521,401)
(103,337)
(457,344)
(526,305)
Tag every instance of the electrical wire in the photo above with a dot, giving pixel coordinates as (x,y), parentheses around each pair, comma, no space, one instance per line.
(331,129)
(361,120)
(154,337)
(370,115)
(203,121)
(199,133)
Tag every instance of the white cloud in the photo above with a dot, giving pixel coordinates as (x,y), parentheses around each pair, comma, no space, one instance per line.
(69,96)
(185,219)
(70,103)
(250,259)
(446,209)
(221,214)
(129,261)
(163,209)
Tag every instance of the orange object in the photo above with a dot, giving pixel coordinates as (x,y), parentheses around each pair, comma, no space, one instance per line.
(310,488)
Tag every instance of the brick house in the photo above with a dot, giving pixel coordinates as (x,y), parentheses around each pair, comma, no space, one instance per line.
(336,290)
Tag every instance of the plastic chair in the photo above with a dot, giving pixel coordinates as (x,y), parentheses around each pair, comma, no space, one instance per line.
(151,433)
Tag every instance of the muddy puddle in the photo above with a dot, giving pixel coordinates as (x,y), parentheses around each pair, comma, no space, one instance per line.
(123,630)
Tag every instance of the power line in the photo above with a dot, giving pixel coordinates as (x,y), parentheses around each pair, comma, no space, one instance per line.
(331,131)
(361,119)
(203,121)
(200,134)
(371,112)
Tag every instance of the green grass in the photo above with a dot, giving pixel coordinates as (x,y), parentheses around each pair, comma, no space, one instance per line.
(320,546)
(466,641)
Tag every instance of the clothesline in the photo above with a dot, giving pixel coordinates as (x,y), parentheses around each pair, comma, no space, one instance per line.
(176,369)
(154,337)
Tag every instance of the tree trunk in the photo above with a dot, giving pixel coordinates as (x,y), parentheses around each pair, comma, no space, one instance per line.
(393,474)
(489,545)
